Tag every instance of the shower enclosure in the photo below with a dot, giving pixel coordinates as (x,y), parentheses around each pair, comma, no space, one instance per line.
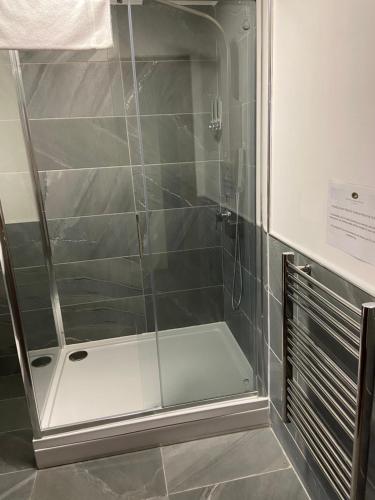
(129,227)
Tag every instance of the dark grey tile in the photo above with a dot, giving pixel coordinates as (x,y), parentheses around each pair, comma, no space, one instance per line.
(16,451)
(73,90)
(276,380)
(177,185)
(276,326)
(179,34)
(248,301)
(303,464)
(187,308)
(173,139)
(248,242)
(80,143)
(17,485)
(39,328)
(170,87)
(86,238)
(25,244)
(104,320)
(205,462)
(11,386)
(33,288)
(134,476)
(278,485)
(184,270)
(182,229)
(9,364)
(97,280)
(14,415)
(241,328)
(72,193)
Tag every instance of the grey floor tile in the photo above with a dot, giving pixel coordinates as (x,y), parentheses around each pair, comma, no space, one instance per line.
(16,451)
(134,476)
(14,415)
(279,485)
(17,485)
(209,461)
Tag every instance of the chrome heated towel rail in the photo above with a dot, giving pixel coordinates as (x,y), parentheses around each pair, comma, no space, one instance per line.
(312,377)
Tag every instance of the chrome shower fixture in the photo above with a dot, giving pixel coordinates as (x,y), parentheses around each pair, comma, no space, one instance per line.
(216,123)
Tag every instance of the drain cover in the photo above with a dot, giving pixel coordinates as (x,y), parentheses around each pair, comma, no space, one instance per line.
(78,355)
(42,361)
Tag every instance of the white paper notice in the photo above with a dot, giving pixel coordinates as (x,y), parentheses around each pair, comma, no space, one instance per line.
(351,220)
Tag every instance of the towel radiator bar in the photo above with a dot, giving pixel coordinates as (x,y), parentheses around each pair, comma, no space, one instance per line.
(312,377)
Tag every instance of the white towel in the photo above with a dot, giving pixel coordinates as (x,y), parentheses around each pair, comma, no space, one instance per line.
(55,24)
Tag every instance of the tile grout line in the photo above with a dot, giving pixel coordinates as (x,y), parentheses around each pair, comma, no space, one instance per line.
(283,450)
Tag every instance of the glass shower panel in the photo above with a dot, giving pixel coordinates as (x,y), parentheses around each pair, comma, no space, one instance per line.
(83,152)
(24,239)
(184,84)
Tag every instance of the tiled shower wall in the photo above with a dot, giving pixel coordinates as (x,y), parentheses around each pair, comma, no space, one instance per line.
(81,108)
(238,20)
(304,463)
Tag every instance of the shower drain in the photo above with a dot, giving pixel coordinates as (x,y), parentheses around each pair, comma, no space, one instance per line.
(41,361)
(78,355)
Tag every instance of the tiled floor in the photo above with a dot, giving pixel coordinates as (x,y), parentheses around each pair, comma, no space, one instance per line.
(243,466)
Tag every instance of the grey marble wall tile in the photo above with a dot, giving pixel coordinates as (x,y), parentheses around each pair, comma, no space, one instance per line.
(179,34)
(248,301)
(17,486)
(134,476)
(276,326)
(173,139)
(11,386)
(14,415)
(276,377)
(80,143)
(278,485)
(177,185)
(4,308)
(71,193)
(262,364)
(104,320)
(86,238)
(241,328)
(98,280)
(170,87)
(184,270)
(316,486)
(39,329)
(183,229)
(16,451)
(208,461)
(25,244)
(9,364)
(248,238)
(187,308)
(33,288)
(73,90)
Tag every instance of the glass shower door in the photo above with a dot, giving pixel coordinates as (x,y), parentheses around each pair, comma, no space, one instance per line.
(88,219)
(181,117)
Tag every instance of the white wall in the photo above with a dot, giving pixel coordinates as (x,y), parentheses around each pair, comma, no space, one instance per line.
(323,120)
(16,193)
